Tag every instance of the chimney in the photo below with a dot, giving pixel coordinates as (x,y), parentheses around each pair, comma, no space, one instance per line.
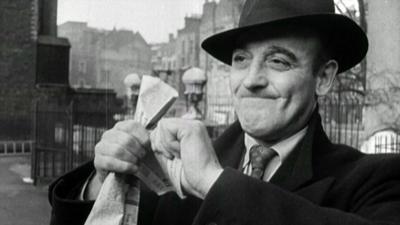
(48,17)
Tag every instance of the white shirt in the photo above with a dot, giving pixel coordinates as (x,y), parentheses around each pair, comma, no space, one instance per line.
(282,148)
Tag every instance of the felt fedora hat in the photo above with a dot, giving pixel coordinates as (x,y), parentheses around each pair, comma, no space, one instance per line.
(347,41)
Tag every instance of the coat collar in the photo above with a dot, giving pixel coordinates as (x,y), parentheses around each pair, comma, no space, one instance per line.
(230,146)
(295,171)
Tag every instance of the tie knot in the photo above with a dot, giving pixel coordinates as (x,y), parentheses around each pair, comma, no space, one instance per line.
(259,158)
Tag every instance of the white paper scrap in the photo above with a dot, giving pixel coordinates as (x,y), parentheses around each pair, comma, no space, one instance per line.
(118,200)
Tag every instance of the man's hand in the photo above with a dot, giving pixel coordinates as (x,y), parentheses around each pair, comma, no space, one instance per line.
(188,140)
(119,150)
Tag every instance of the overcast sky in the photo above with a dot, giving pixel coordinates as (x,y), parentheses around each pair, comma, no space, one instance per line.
(154,19)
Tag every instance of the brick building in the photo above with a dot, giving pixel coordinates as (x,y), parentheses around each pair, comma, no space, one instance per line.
(102,59)
(187,43)
(17,67)
(27,33)
(164,55)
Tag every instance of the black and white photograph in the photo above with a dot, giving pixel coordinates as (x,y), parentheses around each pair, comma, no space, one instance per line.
(200,112)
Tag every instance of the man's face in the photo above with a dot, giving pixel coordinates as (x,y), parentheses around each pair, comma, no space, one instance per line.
(273,85)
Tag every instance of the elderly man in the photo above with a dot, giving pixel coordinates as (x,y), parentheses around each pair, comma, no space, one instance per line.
(275,165)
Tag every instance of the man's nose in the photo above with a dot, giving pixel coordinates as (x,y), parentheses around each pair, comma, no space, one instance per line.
(256,77)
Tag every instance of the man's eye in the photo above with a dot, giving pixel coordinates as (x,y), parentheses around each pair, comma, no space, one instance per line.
(239,58)
(278,64)
(240,61)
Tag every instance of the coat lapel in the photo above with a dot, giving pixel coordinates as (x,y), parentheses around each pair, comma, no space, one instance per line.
(297,172)
(229,147)
(297,168)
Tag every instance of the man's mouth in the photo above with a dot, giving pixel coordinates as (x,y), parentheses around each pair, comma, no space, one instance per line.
(257,95)
(270,97)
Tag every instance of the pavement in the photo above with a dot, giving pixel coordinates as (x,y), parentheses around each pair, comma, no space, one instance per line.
(21,203)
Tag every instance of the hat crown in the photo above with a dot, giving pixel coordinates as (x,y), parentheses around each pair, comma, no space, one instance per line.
(262,11)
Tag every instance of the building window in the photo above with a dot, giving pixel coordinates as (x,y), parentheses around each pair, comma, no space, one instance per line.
(59,133)
(82,67)
(104,76)
(191,46)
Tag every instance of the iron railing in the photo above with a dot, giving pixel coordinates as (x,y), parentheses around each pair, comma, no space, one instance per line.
(382,142)
(65,138)
(84,141)
(342,119)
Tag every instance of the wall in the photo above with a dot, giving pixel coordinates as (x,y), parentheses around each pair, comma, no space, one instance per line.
(17,67)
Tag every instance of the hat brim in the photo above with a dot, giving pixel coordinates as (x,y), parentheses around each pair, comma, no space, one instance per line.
(347,40)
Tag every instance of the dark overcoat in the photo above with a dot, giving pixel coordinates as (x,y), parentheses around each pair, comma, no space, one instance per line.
(319,184)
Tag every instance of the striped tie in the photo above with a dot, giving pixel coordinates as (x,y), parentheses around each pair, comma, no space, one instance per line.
(260,156)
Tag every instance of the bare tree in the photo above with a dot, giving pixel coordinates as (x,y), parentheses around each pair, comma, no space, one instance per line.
(385,97)
(353,80)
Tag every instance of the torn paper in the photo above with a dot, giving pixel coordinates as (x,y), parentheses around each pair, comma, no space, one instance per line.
(118,200)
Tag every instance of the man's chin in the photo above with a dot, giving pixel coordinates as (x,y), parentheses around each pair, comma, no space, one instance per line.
(255,130)
(267,136)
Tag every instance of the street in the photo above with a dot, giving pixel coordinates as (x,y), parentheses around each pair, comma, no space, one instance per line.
(21,203)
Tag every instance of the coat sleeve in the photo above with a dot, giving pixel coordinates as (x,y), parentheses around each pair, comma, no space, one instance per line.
(238,199)
(67,209)
(63,197)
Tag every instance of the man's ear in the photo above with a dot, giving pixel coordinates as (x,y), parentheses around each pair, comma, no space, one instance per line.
(325,77)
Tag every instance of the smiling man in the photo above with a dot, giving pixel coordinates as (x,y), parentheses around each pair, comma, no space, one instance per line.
(276,164)
(278,77)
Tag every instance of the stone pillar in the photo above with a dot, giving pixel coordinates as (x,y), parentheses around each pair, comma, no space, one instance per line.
(383,70)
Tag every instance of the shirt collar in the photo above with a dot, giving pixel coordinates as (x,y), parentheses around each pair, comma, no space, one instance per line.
(282,148)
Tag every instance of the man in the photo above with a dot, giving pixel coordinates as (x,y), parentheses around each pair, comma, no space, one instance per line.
(275,165)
